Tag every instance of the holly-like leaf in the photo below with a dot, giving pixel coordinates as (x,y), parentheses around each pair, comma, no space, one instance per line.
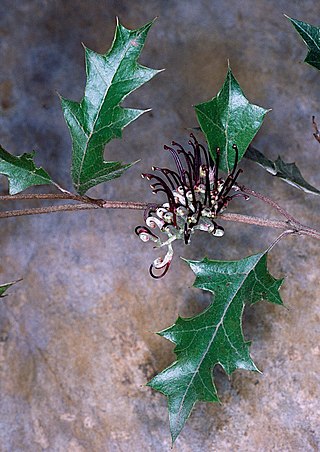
(215,336)
(311,36)
(5,287)
(229,119)
(98,118)
(288,172)
(21,171)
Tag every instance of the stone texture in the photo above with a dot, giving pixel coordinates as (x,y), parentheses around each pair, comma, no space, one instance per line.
(76,335)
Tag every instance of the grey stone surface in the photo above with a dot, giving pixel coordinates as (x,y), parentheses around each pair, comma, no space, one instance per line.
(76,335)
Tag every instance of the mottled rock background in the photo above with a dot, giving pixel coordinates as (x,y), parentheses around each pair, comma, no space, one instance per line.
(76,341)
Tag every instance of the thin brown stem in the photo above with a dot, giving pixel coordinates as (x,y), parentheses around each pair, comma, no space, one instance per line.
(31,196)
(84,199)
(50,209)
(297,227)
(246,219)
(269,201)
(124,205)
(291,221)
(72,207)
(89,203)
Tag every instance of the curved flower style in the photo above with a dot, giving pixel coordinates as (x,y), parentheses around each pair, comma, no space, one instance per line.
(196,195)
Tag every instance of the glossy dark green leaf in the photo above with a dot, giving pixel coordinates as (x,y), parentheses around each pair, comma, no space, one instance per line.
(311,37)
(214,336)
(99,118)
(5,287)
(288,172)
(229,119)
(21,171)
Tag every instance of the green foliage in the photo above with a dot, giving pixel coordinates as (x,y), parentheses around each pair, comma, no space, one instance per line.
(5,287)
(21,171)
(98,118)
(288,172)
(311,37)
(229,119)
(214,336)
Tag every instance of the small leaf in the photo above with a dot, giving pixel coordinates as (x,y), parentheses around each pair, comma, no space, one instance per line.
(98,118)
(311,37)
(21,171)
(214,336)
(4,287)
(229,119)
(288,172)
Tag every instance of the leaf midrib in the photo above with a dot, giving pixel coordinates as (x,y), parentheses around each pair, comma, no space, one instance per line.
(18,165)
(213,337)
(227,123)
(311,38)
(97,115)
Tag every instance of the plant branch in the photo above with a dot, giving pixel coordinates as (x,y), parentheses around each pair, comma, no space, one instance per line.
(291,221)
(124,205)
(246,219)
(269,201)
(297,227)
(72,207)
(32,196)
(84,199)
(50,209)
(87,203)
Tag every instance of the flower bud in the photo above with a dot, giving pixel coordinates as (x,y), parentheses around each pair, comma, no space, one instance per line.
(218,232)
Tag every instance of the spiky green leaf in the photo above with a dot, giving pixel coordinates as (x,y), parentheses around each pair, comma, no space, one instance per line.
(5,287)
(214,336)
(99,118)
(288,172)
(21,171)
(311,36)
(229,119)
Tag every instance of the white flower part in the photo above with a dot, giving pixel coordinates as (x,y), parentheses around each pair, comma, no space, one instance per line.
(153,222)
(178,198)
(161,262)
(171,239)
(211,175)
(206,212)
(220,185)
(168,217)
(161,211)
(203,227)
(200,188)
(182,211)
(215,208)
(202,171)
(189,195)
(219,232)
(169,229)
(192,208)
(157,263)
(144,236)
(180,190)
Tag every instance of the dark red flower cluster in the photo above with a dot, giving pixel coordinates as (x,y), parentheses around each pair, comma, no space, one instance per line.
(196,195)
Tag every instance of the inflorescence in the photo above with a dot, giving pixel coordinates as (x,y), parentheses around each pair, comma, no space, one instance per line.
(196,196)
